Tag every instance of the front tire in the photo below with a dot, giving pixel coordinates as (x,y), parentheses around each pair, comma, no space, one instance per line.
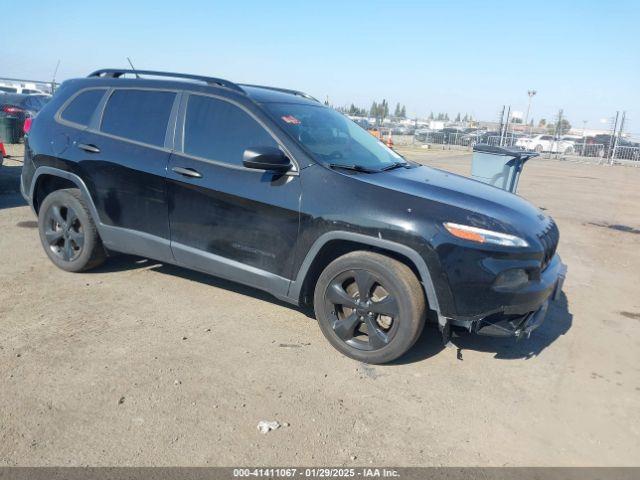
(369,306)
(68,233)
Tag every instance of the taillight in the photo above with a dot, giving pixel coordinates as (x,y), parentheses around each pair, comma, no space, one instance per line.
(27,124)
(10,109)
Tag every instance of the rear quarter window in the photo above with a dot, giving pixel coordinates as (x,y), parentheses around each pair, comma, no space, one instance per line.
(82,107)
(140,115)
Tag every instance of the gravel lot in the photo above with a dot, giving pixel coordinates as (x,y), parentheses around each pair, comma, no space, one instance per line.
(140,363)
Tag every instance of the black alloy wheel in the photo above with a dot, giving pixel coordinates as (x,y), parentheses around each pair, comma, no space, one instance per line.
(64,232)
(369,306)
(68,233)
(363,310)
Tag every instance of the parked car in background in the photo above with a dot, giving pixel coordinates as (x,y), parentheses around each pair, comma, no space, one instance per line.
(608,142)
(362,123)
(21,90)
(545,143)
(451,134)
(472,136)
(21,106)
(587,147)
(400,130)
(486,137)
(422,134)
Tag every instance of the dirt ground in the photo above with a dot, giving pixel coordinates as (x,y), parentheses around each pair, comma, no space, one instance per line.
(140,363)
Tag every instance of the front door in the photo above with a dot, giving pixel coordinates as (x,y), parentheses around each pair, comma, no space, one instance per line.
(225,219)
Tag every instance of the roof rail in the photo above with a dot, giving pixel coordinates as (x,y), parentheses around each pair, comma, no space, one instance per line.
(117,73)
(283,90)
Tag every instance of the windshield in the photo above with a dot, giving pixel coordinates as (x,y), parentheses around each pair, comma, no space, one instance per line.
(332,138)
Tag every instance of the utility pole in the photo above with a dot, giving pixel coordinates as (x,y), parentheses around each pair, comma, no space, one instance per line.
(53,81)
(611,139)
(584,138)
(530,93)
(615,145)
(503,133)
(501,123)
(558,130)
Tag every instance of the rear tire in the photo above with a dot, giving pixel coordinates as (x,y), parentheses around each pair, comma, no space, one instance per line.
(369,306)
(68,233)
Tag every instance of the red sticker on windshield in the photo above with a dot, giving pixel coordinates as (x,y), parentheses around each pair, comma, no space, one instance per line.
(291,119)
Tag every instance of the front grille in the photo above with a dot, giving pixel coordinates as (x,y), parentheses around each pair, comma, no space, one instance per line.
(549,238)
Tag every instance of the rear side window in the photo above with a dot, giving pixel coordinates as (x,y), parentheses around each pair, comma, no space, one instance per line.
(140,115)
(82,107)
(218,130)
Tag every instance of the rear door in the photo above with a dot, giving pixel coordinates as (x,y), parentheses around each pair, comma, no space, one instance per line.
(226,219)
(124,162)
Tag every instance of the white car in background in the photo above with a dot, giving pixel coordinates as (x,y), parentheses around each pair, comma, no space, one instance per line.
(21,90)
(545,143)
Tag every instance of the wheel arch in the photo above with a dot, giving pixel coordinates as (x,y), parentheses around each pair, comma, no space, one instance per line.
(332,245)
(49,179)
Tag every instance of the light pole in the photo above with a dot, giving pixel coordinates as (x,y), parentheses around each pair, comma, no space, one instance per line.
(531,93)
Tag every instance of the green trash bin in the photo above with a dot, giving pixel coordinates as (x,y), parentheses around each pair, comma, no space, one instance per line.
(9,129)
(499,166)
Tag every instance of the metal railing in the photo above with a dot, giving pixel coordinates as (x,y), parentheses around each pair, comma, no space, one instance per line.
(589,149)
(460,139)
(507,141)
(594,152)
(626,153)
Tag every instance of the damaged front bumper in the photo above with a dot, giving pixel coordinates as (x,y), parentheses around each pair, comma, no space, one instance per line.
(520,320)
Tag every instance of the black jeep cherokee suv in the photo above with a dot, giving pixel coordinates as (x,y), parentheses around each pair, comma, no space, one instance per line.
(267,187)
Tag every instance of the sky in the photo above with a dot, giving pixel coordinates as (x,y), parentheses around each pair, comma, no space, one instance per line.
(441,56)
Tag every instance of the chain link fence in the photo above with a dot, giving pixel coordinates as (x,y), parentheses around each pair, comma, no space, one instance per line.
(592,152)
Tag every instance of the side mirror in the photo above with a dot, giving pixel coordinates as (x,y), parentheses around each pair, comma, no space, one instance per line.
(266,158)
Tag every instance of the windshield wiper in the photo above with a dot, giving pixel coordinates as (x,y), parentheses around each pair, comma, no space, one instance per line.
(357,168)
(394,165)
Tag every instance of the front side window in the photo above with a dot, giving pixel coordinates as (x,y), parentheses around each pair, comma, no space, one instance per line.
(81,108)
(218,130)
(140,115)
(332,138)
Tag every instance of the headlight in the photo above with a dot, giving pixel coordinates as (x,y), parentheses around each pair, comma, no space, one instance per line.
(480,235)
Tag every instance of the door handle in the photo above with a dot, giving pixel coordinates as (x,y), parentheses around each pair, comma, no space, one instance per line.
(187,172)
(87,147)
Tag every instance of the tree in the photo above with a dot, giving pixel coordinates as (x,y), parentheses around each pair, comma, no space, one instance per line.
(458,117)
(397,111)
(384,112)
(542,122)
(431,117)
(373,112)
(403,112)
(562,127)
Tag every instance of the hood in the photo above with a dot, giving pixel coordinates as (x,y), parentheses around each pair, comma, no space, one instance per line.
(481,205)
